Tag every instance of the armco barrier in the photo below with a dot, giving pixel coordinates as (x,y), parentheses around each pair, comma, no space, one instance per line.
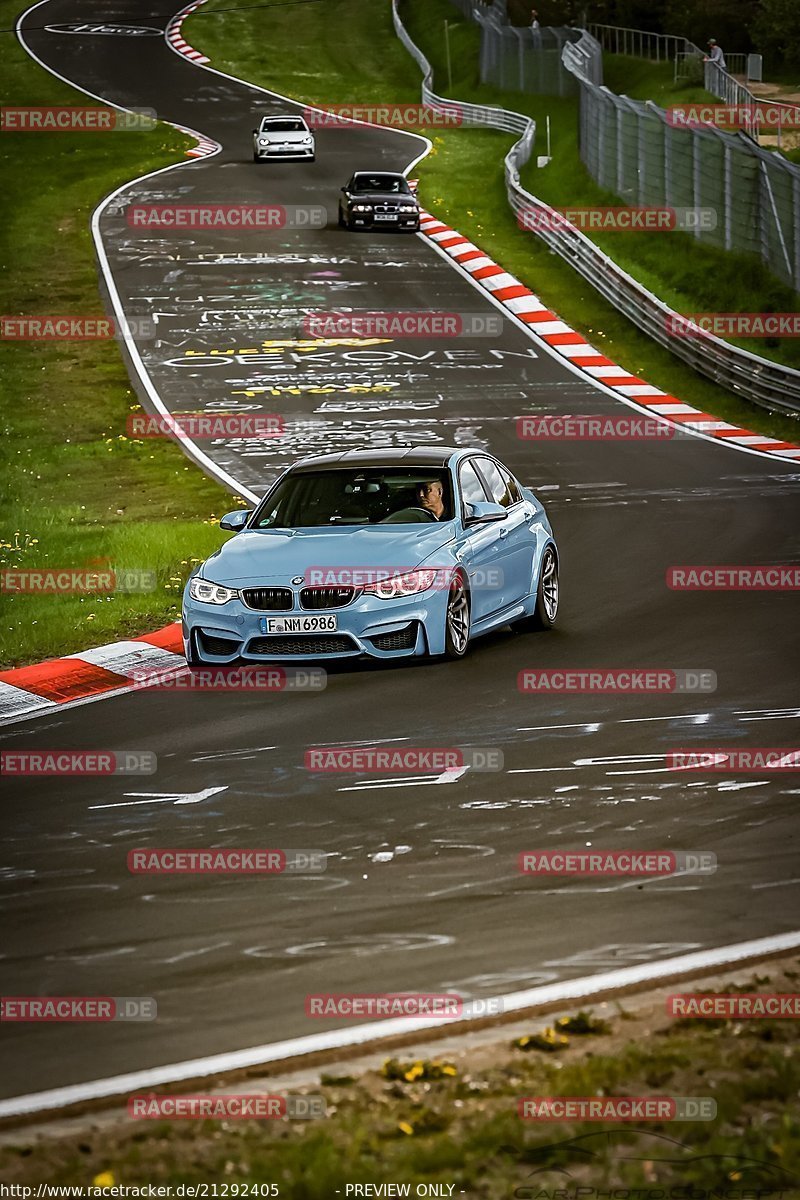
(756,379)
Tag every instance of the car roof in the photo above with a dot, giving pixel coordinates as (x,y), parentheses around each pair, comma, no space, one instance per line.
(407,456)
(284,117)
(381,171)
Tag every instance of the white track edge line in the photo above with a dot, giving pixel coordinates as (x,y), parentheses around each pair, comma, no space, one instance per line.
(700,961)
(191,450)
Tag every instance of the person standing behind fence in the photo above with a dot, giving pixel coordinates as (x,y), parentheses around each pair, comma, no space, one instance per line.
(715,54)
(536,28)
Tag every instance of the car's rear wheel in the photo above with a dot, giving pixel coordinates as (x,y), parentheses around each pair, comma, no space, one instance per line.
(547,596)
(456,632)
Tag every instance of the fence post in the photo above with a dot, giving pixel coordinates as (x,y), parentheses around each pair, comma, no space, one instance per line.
(728,193)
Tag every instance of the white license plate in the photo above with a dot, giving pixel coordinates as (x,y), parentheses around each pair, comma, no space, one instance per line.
(323,623)
(385,216)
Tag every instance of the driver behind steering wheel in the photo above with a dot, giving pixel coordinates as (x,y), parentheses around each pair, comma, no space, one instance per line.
(429,497)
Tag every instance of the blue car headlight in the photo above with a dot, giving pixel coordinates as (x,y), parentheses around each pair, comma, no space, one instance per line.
(211,593)
(404,585)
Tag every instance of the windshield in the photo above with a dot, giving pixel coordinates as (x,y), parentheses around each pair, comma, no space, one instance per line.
(357,496)
(284,125)
(380,183)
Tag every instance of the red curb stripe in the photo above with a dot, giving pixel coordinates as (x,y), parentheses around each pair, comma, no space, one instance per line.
(685,418)
(512,292)
(487,272)
(168,638)
(63,679)
(564,339)
(597,360)
(470,254)
(533,318)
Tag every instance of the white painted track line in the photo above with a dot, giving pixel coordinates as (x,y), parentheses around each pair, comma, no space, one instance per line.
(698,963)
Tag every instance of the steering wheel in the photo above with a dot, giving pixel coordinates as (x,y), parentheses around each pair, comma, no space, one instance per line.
(397,517)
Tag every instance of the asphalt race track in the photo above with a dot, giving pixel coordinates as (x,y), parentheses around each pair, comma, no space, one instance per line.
(422,890)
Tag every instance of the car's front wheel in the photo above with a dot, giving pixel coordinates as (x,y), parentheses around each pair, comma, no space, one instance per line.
(456,631)
(547,596)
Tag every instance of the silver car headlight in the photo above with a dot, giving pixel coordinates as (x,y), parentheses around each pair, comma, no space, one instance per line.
(362,208)
(211,593)
(262,141)
(408,208)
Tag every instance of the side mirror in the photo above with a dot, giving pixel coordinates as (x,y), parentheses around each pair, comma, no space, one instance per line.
(255,131)
(481,513)
(234,521)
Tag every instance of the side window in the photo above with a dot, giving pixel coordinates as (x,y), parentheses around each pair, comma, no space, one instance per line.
(511,484)
(501,485)
(472,490)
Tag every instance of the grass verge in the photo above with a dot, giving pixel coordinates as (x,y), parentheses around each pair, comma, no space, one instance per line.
(371,65)
(76,491)
(453,1120)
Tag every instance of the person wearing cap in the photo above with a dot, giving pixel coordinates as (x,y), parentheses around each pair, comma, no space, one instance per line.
(715,54)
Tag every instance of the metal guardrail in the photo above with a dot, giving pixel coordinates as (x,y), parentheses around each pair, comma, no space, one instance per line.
(659,47)
(757,379)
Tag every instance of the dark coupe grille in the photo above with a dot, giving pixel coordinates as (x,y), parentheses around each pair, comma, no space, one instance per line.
(304,644)
(326,597)
(268,599)
(401,639)
(386,207)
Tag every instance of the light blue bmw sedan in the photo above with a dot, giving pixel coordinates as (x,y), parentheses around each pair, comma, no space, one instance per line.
(384,554)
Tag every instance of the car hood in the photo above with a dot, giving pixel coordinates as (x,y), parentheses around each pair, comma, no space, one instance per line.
(383,198)
(279,554)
